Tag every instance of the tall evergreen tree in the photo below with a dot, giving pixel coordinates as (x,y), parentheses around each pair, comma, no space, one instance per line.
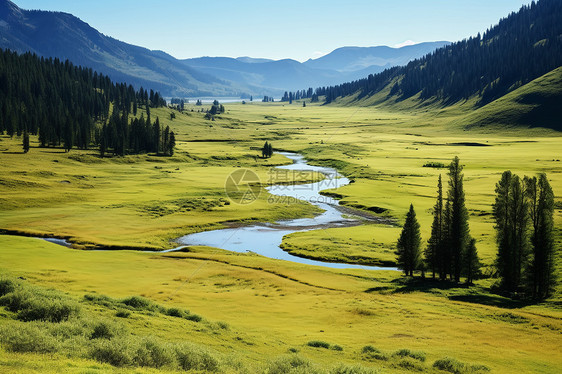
(504,260)
(166,140)
(25,141)
(512,218)
(456,219)
(172,144)
(434,251)
(156,135)
(409,242)
(542,277)
(471,262)
(68,136)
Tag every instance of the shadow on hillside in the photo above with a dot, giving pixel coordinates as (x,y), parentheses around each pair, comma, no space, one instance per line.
(452,290)
(490,300)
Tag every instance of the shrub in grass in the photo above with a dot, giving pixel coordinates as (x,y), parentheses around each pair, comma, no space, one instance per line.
(193,317)
(371,353)
(16,300)
(152,353)
(176,312)
(356,369)
(123,313)
(318,344)
(116,352)
(38,305)
(7,286)
(102,300)
(193,358)
(416,355)
(292,364)
(437,165)
(293,350)
(336,347)
(68,329)
(27,338)
(456,367)
(138,302)
(39,309)
(411,364)
(102,330)
(369,349)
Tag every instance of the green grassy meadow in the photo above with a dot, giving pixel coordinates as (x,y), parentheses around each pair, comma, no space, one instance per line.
(259,314)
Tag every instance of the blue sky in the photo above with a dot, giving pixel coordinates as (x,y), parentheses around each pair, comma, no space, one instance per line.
(280,29)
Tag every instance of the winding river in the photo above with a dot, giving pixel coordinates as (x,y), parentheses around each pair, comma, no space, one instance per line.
(265,238)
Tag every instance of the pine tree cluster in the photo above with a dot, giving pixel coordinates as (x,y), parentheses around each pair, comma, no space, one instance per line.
(267,150)
(64,104)
(450,251)
(523,211)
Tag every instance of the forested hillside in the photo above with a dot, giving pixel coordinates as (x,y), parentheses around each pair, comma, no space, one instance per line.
(69,105)
(520,48)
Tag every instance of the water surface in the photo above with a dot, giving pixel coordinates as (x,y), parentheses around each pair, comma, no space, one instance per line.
(265,238)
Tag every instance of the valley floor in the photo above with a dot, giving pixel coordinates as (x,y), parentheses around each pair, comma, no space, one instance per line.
(269,308)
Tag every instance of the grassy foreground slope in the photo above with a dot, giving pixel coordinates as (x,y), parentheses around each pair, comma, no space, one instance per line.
(273,307)
(257,309)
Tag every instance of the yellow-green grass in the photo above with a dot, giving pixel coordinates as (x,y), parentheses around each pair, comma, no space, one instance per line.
(135,201)
(271,306)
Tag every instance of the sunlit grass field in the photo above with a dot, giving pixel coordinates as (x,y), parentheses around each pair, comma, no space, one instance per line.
(271,307)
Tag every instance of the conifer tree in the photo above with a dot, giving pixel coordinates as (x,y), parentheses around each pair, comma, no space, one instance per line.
(25,141)
(408,246)
(172,144)
(471,262)
(456,219)
(166,140)
(435,245)
(68,136)
(265,150)
(541,277)
(156,135)
(511,215)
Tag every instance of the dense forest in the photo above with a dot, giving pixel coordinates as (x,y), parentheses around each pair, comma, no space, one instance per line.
(75,107)
(520,48)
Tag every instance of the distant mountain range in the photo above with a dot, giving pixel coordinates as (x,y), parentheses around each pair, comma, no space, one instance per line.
(62,35)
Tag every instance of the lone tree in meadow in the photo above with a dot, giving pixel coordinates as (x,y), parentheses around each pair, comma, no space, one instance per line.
(25,141)
(409,242)
(541,278)
(511,213)
(456,220)
(436,243)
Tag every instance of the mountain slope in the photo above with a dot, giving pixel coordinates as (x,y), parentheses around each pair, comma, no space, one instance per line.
(347,59)
(54,34)
(522,47)
(536,104)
